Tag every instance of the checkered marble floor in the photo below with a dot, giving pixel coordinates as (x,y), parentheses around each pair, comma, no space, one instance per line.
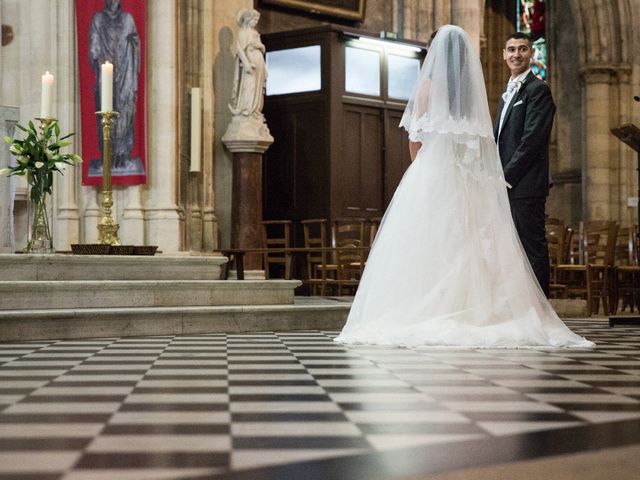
(176,407)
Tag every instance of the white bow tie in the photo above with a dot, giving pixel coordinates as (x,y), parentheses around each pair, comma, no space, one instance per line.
(512,88)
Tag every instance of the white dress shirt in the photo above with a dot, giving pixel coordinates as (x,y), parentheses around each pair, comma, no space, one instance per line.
(512,88)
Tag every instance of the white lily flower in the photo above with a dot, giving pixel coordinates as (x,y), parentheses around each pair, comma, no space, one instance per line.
(39,164)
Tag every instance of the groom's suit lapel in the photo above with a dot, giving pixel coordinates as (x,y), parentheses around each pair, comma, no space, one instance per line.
(516,97)
(496,127)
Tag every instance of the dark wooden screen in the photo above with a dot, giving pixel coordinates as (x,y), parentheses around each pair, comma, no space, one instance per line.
(361,170)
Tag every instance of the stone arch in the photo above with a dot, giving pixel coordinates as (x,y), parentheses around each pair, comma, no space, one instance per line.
(604,39)
(604,30)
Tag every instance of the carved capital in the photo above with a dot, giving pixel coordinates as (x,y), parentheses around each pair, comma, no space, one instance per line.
(591,74)
(610,74)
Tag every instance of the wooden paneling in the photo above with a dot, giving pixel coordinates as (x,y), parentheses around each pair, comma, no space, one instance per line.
(360,172)
(397,158)
(371,163)
(348,168)
(296,173)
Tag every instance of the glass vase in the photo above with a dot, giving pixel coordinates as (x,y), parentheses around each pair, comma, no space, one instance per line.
(40,239)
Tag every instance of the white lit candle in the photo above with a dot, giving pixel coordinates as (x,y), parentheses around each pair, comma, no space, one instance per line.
(46,100)
(196,134)
(106,104)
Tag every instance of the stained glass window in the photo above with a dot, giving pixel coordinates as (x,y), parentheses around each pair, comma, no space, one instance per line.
(531,20)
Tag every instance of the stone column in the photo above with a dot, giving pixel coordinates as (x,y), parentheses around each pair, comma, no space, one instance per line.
(8,118)
(419,18)
(91,215)
(162,218)
(67,210)
(196,194)
(469,14)
(209,218)
(596,172)
(132,220)
(627,158)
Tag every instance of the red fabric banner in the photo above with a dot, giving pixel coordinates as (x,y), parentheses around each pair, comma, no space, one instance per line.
(113,31)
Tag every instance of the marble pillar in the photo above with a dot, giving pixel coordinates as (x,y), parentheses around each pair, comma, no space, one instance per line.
(66,187)
(246,213)
(162,217)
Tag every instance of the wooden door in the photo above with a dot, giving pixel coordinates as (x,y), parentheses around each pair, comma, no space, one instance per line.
(359,173)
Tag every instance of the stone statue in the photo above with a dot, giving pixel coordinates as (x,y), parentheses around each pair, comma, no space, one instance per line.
(113,36)
(248,123)
(250,70)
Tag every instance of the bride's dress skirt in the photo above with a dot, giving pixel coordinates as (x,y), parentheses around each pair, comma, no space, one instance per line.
(446,267)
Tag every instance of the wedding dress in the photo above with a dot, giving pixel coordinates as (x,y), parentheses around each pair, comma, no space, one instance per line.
(447,267)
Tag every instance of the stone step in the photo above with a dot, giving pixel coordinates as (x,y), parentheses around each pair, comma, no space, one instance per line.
(306,314)
(30,295)
(110,267)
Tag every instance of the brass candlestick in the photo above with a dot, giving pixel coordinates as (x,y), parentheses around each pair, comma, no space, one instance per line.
(107,228)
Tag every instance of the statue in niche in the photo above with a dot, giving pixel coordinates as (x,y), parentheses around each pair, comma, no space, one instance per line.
(250,70)
(113,36)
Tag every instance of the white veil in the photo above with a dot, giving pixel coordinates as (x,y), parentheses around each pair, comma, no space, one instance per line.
(450,95)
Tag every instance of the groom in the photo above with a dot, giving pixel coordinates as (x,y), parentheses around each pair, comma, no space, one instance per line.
(523,125)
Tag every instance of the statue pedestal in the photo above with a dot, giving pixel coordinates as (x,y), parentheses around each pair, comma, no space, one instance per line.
(247,138)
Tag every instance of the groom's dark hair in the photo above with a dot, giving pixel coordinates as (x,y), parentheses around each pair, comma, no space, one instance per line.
(519,36)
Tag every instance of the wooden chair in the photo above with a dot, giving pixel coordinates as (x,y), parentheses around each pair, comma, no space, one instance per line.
(590,276)
(372,230)
(318,273)
(350,261)
(625,285)
(276,234)
(348,240)
(556,234)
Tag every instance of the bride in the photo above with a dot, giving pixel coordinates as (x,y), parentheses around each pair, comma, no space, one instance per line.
(447,267)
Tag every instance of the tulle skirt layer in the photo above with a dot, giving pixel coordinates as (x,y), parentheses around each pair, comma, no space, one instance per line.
(447,268)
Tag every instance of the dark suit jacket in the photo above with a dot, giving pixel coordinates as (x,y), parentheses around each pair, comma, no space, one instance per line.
(524,139)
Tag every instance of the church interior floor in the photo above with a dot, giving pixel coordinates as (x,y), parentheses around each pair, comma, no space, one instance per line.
(295,405)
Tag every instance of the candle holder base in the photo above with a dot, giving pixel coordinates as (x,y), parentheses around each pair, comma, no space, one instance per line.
(108,234)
